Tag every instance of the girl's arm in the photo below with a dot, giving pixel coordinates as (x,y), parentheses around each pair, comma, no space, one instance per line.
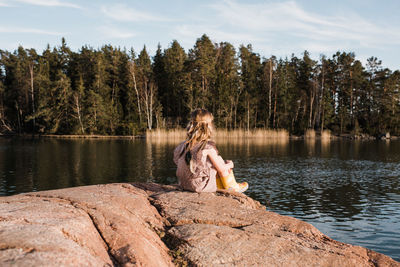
(219,164)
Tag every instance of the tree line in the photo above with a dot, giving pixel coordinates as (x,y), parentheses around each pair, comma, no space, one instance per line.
(114,91)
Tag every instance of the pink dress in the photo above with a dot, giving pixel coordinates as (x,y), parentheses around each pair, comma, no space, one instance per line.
(202,177)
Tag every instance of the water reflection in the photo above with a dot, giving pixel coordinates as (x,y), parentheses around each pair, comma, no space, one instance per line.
(348,189)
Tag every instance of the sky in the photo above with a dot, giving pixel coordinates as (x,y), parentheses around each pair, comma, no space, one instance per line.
(365,27)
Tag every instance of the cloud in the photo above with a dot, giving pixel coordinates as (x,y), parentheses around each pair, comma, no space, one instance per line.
(283,22)
(28,30)
(115,33)
(4,4)
(285,27)
(48,3)
(123,13)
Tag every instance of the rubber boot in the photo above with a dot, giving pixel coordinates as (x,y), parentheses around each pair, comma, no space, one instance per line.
(229,183)
(219,183)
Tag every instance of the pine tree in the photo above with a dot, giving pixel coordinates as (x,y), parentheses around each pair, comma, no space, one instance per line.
(326,97)
(251,71)
(285,84)
(226,89)
(177,95)
(307,83)
(202,68)
(371,94)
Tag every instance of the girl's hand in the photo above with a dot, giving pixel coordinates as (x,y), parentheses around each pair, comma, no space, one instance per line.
(230,163)
(219,164)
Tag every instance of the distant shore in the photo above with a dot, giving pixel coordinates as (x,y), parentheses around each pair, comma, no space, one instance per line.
(72,136)
(180,134)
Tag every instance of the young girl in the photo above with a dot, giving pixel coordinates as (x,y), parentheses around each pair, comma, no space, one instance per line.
(199,167)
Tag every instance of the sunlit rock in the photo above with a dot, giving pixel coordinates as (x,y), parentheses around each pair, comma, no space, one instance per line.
(155,225)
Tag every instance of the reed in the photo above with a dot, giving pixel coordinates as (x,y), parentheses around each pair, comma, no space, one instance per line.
(166,134)
(220,135)
(326,135)
(253,134)
(310,134)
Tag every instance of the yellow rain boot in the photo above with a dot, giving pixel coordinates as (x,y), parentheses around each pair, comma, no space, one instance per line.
(219,183)
(229,183)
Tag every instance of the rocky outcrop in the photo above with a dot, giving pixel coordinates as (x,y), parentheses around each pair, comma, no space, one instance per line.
(155,225)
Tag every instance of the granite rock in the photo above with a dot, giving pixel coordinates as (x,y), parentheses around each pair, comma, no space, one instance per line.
(149,224)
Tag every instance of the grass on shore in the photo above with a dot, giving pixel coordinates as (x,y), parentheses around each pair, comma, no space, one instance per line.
(221,135)
(176,135)
(312,134)
(326,135)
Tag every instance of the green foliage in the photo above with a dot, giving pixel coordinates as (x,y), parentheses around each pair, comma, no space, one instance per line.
(227,85)
(250,70)
(176,90)
(202,60)
(112,91)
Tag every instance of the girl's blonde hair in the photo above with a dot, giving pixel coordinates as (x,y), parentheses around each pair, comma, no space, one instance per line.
(199,130)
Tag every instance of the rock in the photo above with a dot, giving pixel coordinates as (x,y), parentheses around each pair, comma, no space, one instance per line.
(154,225)
(213,230)
(101,225)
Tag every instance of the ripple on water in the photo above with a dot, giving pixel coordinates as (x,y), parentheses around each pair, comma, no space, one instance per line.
(348,190)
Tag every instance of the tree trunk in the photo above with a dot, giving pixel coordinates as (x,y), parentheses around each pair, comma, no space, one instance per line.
(322,120)
(341,118)
(351,98)
(270,92)
(151,106)
(95,115)
(2,117)
(32,94)
(321,102)
(230,115)
(18,116)
(297,114)
(311,106)
(146,103)
(78,111)
(248,115)
(275,104)
(132,70)
(236,104)
(234,122)
(255,119)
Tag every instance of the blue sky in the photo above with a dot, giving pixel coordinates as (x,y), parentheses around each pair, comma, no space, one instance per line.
(365,27)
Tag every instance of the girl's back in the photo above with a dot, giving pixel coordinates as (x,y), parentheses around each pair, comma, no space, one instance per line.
(199,174)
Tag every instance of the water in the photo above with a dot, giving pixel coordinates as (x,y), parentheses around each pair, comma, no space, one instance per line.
(349,190)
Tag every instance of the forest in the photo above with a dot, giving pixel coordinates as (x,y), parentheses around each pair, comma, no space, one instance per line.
(119,91)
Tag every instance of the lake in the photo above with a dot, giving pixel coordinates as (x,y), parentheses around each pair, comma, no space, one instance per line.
(349,190)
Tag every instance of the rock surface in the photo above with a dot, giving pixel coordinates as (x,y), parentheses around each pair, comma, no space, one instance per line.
(155,225)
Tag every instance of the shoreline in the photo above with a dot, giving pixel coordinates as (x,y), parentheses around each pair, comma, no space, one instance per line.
(70,136)
(360,137)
